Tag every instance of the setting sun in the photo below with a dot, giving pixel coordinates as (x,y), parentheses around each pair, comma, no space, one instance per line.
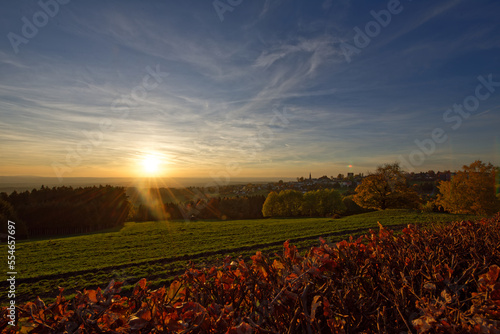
(151,165)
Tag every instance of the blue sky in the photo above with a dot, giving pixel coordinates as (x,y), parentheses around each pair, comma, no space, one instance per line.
(250,88)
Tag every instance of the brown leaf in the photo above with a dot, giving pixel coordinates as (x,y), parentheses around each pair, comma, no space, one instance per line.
(92,295)
(278,265)
(137,323)
(315,303)
(142,283)
(423,324)
(447,296)
(40,304)
(175,290)
(243,328)
(493,273)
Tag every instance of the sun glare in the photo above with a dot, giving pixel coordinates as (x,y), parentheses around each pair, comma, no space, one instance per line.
(151,165)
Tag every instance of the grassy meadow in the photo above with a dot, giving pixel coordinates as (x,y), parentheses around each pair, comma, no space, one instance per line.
(161,250)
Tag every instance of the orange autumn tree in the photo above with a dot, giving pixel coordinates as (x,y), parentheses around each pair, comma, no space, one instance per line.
(470,191)
(387,188)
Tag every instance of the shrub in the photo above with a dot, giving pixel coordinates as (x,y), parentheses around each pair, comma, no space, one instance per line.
(430,206)
(352,208)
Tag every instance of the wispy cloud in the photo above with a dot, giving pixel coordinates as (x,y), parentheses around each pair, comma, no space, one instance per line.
(225,79)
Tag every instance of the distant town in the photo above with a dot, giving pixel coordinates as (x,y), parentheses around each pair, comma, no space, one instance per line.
(425,182)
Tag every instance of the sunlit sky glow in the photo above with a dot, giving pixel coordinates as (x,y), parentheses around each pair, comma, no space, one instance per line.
(267,91)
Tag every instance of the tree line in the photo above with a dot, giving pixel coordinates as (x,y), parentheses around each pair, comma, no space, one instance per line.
(246,207)
(285,203)
(293,203)
(473,190)
(65,210)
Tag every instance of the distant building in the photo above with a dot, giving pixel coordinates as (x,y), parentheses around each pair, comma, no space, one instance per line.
(350,175)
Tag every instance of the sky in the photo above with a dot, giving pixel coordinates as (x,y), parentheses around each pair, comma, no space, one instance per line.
(232,88)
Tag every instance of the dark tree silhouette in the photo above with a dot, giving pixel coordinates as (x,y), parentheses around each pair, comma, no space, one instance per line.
(64,210)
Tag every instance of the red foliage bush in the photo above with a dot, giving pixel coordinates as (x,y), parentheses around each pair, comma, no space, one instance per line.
(440,280)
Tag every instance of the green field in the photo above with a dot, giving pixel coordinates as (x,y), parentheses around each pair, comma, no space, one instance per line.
(161,250)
